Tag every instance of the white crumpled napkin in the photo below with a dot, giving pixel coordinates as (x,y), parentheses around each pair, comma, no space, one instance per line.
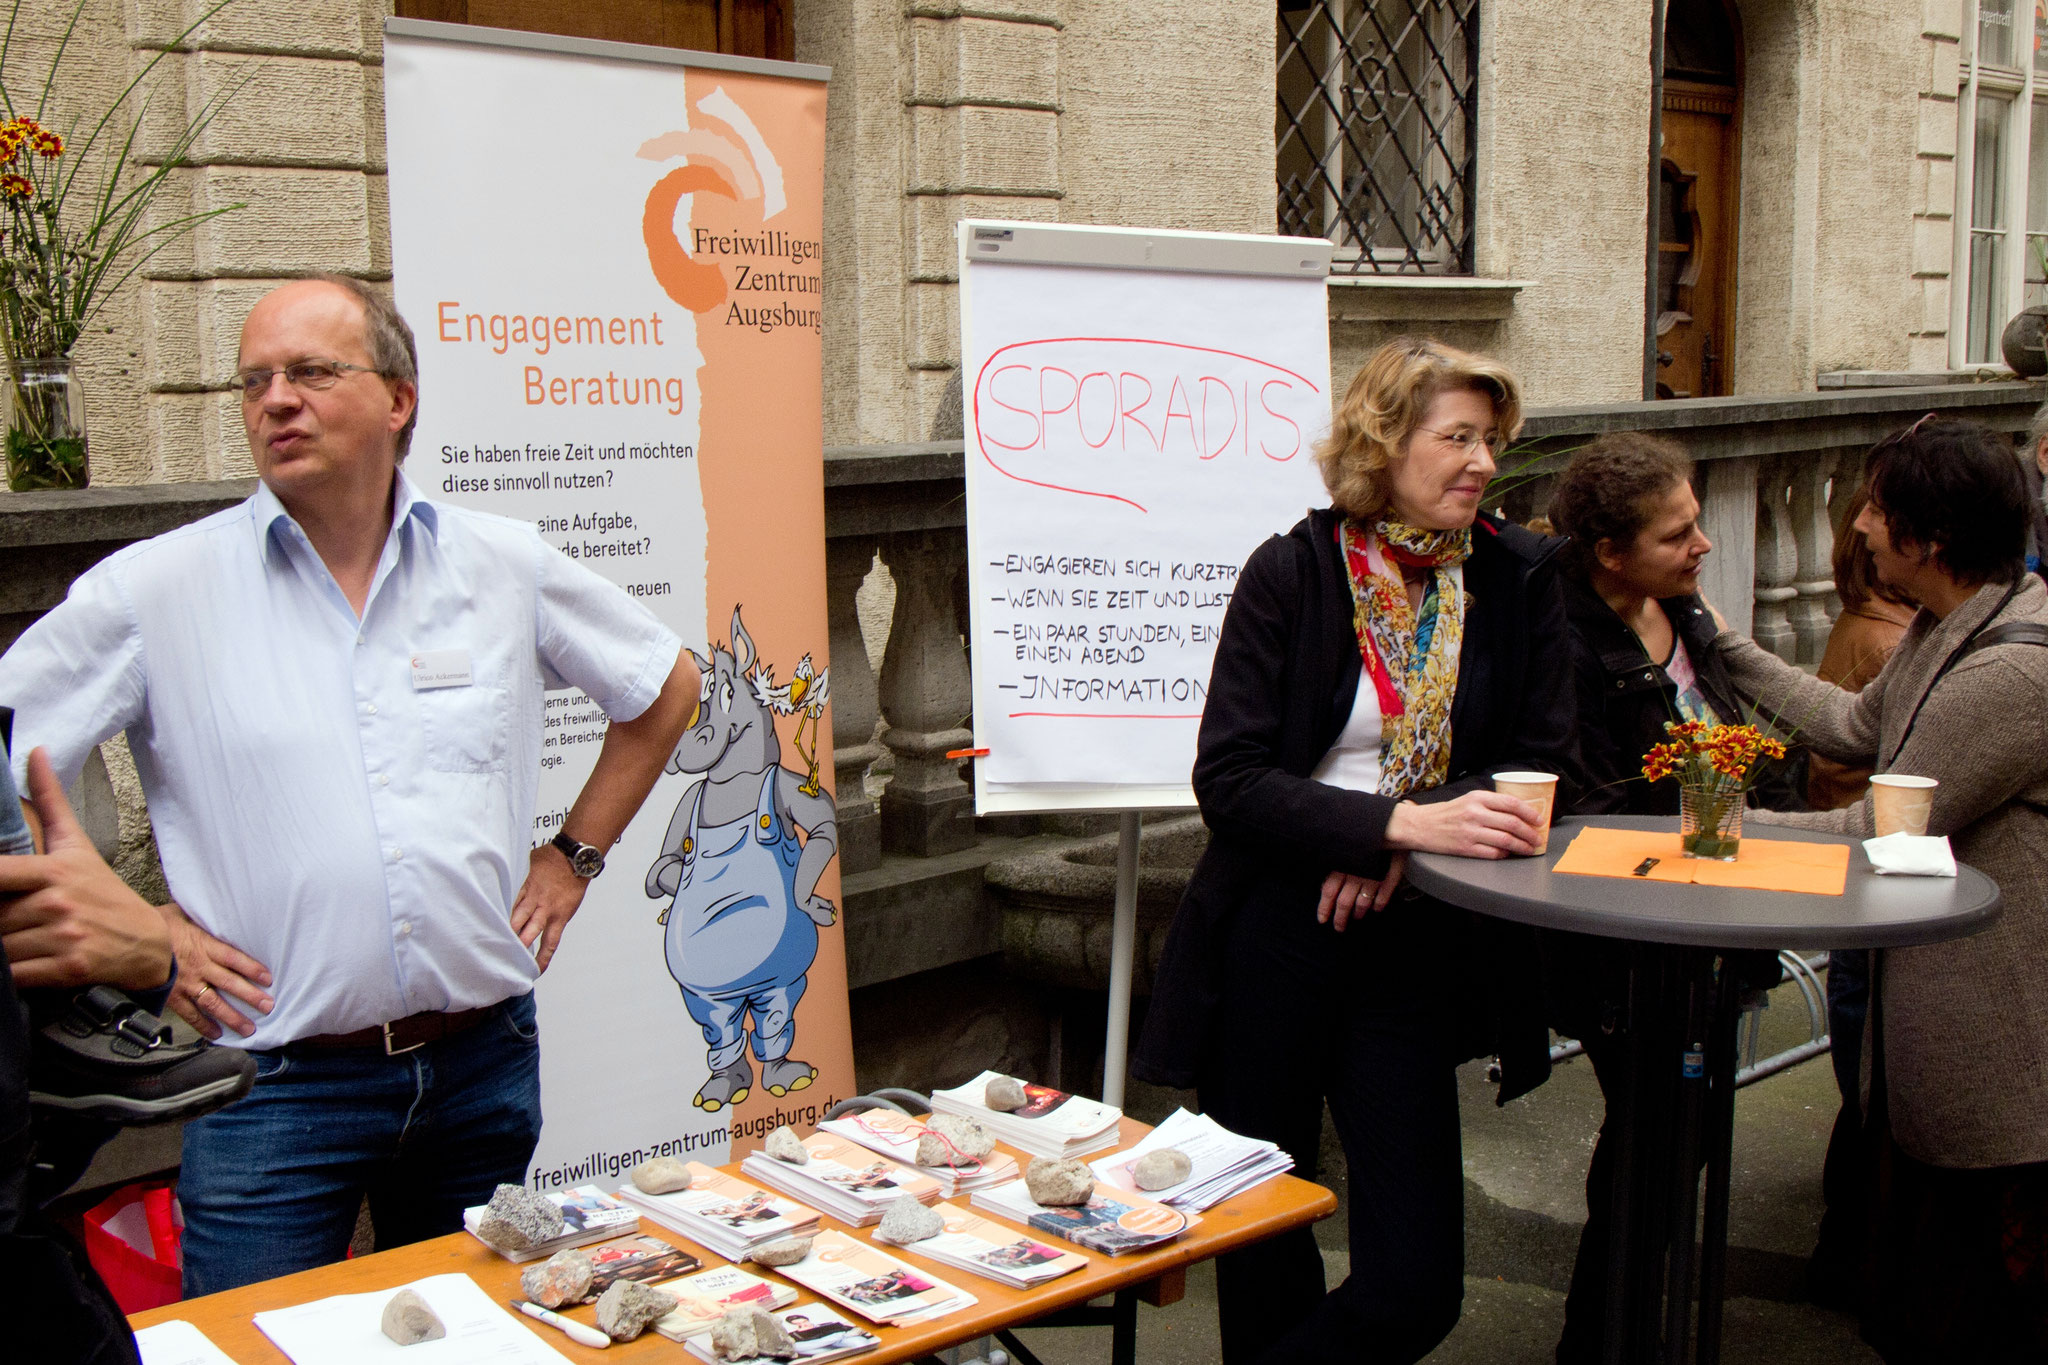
(1911,855)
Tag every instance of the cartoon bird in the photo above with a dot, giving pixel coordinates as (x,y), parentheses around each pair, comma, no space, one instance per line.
(805,693)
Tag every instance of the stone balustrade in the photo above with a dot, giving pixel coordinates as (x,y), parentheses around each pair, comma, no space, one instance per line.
(1773,474)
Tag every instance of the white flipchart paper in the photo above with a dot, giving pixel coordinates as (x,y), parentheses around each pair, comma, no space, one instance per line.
(1132,435)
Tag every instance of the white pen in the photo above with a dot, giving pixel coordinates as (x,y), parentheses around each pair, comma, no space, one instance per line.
(569,1327)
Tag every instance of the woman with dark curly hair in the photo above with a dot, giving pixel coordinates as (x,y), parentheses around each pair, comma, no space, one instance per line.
(1642,649)
(1377,665)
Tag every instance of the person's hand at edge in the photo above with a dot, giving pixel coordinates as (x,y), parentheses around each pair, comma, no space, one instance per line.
(212,976)
(547,900)
(1346,897)
(1479,824)
(70,920)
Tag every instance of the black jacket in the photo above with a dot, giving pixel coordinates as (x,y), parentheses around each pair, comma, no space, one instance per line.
(1625,700)
(1286,673)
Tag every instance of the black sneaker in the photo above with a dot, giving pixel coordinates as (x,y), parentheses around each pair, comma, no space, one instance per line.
(108,1058)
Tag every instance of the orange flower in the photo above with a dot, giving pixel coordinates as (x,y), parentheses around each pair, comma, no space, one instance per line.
(15,186)
(48,143)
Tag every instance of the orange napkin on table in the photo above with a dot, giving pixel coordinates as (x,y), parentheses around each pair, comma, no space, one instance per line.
(1760,864)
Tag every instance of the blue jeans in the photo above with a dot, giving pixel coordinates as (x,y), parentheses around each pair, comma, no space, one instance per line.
(272,1184)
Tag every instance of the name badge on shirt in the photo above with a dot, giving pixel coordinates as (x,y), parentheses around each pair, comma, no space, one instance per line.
(440,668)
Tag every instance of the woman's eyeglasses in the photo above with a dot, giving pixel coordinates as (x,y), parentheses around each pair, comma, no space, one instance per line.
(1463,439)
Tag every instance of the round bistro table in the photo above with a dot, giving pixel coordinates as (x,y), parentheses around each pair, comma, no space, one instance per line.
(1678,1041)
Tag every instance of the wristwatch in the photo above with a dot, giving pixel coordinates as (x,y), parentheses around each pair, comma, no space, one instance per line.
(585,860)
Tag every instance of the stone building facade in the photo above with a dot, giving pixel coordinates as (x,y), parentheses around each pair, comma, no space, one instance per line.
(1105,111)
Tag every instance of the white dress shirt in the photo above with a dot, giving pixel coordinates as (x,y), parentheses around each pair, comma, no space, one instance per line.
(362,838)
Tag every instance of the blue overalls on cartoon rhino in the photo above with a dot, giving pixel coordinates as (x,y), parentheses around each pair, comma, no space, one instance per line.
(741,927)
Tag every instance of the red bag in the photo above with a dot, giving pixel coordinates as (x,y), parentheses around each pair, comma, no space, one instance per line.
(132,1238)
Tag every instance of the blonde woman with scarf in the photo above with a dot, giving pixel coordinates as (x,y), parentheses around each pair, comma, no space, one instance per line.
(1377,665)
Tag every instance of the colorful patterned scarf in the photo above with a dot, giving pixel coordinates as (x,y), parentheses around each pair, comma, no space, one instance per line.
(1411,657)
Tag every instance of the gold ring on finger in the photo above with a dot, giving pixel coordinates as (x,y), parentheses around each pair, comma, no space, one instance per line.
(200,994)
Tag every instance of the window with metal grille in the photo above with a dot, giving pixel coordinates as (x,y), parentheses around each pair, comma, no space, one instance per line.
(1374,131)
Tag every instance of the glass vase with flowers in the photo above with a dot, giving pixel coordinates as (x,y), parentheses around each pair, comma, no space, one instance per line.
(1715,765)
(76,223)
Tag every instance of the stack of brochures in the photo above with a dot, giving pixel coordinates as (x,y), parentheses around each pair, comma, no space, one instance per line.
(874,1284)
(640,1258)
(1224,1162)
(984,1247)
(1112,1222)
(727,1215)
(819,1333)
(1052,1123)
(851,1183)
(895,1136)
(588,1215)
(703,1299)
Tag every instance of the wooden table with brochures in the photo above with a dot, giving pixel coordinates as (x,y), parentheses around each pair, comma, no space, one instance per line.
(1157,1277)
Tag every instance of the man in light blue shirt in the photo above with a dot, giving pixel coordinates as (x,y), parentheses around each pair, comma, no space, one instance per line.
(333,693)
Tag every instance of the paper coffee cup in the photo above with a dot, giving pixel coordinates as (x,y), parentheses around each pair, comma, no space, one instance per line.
(1540,791)
(1901,803)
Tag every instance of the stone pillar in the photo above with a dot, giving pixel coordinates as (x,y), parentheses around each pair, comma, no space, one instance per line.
(1728,516)
(854,710)
(927,697)
(1777,562)
(1813,538)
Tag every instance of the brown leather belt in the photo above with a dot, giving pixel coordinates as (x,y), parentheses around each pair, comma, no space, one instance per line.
(401,1035)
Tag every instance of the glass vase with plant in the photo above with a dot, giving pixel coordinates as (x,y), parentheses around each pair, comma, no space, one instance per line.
(75,225)
(1715,765)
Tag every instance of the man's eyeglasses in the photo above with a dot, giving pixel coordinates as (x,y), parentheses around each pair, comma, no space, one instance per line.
(1463,439)
(311,375)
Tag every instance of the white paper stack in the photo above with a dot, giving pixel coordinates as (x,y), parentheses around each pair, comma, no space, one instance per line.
(983,1246)
(874,1284)
(819,1333)
(347,1329)
(1224,1162)
(1052,1123)
(702,1299)
(847,1181)
(723,1213)
(588,1215)
(895,1136)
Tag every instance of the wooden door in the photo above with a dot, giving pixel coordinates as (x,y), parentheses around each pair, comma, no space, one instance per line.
(742,28)
(1696,250)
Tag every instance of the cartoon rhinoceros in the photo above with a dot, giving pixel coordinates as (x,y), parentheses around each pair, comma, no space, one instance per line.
(744,913)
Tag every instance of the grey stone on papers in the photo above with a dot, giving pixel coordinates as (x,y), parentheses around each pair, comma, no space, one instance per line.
(626,1309)
(907,1221)
(408,1321)
(771,1338)
(517,1218)
(563,1278)
(1055,1183)
(1162,1169)
(661,1175)
(1003,1094)
(784,1145)
(950,1140)
(749,1334)
(788,1251)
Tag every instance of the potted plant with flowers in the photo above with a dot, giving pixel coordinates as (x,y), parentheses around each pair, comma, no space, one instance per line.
(1715,765)
(75,225)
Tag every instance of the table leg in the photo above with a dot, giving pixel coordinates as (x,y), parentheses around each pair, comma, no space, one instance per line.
(1696,990)
(1642,1198)
(1720,1141)
(1123,1330)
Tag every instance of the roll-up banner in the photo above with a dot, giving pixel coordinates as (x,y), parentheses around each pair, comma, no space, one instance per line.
(610,255)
